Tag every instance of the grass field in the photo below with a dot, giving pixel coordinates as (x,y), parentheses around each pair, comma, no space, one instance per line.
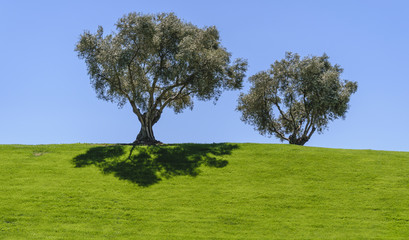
(191,191)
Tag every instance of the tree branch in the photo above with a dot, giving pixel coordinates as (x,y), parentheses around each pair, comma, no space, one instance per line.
(292,116)
(136,110)
(165,91)
(133,87)
(312,131)
(169,88)
(272,128)
(167,101)
(134,107)
(155,80)
(281,112)
(308,127)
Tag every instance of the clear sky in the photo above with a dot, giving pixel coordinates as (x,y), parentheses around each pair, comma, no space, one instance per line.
(45,95)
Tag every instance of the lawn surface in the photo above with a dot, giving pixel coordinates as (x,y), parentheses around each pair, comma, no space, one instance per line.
(190,191)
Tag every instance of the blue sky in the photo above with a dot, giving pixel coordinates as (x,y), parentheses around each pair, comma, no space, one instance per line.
(45,95)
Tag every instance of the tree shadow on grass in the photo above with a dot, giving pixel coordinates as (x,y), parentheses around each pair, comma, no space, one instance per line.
(147,165)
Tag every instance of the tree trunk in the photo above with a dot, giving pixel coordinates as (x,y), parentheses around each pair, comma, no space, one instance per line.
(293,139)
(298,141)
(145,135)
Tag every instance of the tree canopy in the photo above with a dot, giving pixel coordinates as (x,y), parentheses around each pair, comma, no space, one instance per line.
(296,97)
(158,61)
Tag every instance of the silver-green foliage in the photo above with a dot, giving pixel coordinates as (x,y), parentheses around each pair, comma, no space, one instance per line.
(158,61)
(296,97)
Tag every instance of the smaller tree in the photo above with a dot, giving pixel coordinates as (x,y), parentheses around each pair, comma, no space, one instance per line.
(296,97)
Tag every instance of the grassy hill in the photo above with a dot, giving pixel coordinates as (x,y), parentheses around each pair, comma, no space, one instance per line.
(202,191)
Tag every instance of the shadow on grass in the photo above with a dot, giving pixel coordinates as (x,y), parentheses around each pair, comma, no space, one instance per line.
(147,165)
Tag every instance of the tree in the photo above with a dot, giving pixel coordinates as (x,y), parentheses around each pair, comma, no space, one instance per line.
(158,61)
(296,97)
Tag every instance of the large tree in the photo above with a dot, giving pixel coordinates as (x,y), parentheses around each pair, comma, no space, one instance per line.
(158,61)
(296,97)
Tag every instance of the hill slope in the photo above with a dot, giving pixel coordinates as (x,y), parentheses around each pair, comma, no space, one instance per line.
(214,191)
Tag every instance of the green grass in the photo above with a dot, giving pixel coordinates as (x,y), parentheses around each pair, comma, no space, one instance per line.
(214,191)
